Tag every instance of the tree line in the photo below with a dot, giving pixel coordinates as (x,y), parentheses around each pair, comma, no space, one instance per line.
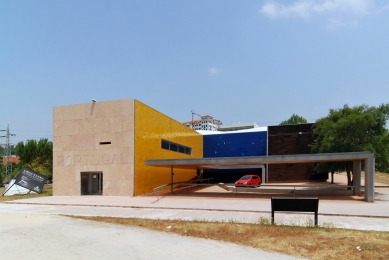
(351,129)
(35,155)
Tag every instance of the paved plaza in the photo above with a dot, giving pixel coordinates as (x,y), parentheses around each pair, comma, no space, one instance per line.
(339,212)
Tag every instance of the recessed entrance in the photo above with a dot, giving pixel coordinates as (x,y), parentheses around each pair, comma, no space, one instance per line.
(91,183)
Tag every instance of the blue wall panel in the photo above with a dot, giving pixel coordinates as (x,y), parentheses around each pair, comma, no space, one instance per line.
(236,144)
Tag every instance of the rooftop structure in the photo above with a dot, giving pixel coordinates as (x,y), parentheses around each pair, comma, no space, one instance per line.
(237,126)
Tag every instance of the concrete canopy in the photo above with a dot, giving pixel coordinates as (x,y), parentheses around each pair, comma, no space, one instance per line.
(355,157)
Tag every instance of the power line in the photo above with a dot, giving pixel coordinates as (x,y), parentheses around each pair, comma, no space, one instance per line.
(8,152)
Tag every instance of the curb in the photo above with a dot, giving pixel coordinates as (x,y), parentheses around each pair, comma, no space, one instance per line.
(200,209)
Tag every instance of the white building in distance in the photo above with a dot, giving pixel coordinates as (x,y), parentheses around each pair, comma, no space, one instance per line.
(206,122)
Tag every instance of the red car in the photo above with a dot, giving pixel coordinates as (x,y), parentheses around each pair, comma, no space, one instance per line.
(249,181)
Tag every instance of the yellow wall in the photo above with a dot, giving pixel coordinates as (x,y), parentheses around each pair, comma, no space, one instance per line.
(150,127)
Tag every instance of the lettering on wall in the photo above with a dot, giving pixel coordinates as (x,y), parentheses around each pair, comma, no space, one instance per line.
(88,159)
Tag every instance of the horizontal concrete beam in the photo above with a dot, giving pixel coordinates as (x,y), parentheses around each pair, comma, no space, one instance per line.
(200,163)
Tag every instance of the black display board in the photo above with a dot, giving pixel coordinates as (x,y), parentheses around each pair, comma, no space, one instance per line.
(30,180)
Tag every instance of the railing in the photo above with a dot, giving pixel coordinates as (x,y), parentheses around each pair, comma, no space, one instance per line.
(293,189)
(264,186)
(186,183)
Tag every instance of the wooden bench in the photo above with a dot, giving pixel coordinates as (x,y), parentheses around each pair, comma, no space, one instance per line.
(295,204)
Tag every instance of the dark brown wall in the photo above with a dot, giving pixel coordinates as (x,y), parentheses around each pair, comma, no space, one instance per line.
(290,139)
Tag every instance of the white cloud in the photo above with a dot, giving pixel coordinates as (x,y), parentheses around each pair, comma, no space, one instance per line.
(214,71)
(306,8)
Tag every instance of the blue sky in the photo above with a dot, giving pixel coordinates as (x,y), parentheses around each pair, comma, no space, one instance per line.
(239,61)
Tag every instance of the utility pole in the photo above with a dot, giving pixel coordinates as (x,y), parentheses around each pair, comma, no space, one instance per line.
(7,152)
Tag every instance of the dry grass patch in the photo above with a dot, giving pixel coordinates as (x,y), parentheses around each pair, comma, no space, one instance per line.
(46,191)
(381,177)
(309,242)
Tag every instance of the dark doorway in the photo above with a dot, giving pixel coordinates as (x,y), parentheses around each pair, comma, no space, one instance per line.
(91,183)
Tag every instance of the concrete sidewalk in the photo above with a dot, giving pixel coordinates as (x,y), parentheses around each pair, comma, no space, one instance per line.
(209,202)
(351,213)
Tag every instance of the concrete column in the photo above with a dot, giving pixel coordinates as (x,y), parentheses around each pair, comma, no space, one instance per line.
(369,179)
(263,174)
(198,174)
(171,179)
(357,177)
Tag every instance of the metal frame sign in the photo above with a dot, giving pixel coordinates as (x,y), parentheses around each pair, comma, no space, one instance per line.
(31,180)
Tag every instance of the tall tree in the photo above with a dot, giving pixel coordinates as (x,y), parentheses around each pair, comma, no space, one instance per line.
(353,129)
(37,156)
(294,120)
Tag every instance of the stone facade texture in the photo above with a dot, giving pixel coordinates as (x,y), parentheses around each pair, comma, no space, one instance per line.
(94,137)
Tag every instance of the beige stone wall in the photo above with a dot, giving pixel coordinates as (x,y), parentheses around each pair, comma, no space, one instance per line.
(78,134)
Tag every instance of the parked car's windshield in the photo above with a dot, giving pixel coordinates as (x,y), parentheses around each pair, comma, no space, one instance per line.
(245,178)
